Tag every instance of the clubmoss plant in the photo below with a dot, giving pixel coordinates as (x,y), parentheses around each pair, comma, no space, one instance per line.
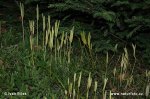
(124,65)
(32,43)
(89,82)
(104,86)
(22,20)
(83,38)
(95,89)
(134,55)
(37,23)
(147,90)
(44,28)
(79,82)
(56,28)
(70,42)
(106,64)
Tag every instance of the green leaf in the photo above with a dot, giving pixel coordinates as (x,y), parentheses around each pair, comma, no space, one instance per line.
(107,15)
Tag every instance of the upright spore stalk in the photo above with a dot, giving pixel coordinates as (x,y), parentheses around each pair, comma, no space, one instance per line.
(37,22)
(22,21)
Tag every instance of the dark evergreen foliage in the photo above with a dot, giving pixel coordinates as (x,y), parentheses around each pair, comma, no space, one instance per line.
(123,21)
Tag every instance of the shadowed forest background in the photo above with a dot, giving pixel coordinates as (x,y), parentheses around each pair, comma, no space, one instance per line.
(74,49)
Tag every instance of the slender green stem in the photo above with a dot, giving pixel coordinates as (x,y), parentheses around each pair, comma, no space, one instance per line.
(37,39)
(87,94)
(55,49)
(23,33)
